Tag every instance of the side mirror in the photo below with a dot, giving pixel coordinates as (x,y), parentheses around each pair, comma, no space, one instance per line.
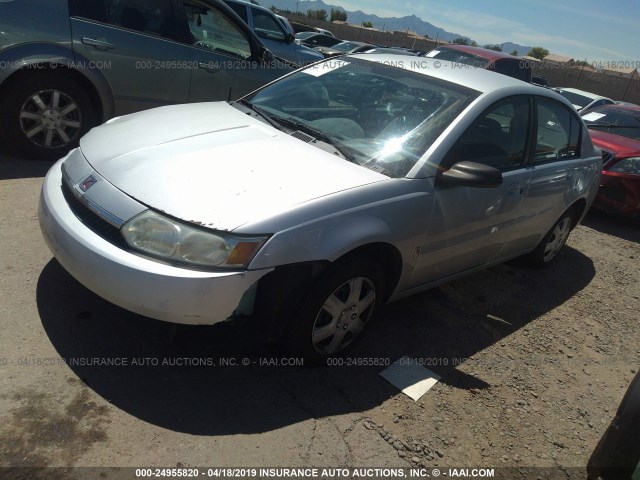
(471,174)
(266,57)
(289,38)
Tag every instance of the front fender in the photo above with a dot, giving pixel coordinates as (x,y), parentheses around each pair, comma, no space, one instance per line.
(50,56)
(397,221)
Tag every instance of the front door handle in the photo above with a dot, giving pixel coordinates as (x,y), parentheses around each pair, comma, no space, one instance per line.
(97,43)
(210,66)
(516,188)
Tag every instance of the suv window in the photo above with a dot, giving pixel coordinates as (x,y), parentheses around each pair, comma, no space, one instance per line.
(498,137)
(211,29)
(266,25)
(557,133)
(147,16)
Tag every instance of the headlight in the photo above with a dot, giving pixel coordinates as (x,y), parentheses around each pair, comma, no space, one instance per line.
(628,165)
(161,237)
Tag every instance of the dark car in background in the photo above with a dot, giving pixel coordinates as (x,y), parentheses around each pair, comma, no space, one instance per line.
(484,58)
(616,130)
(617,455)
(81,62)
(317,40)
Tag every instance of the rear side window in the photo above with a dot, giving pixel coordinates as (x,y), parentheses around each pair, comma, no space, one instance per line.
(155,17)
(557,133)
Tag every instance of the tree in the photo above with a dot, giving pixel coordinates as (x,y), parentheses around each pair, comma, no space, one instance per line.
(367,24)
(514,52)
(339,15)
(317,14)
(496,47)
(538,52)
(461,41)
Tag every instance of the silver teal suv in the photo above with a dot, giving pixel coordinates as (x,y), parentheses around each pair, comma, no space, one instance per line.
(68,65)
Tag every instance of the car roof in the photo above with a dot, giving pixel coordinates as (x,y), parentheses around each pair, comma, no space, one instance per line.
(253,5)
(478,79)
(478,51)
(590,95)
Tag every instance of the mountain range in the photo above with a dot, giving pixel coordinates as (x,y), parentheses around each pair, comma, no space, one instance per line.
(410,22)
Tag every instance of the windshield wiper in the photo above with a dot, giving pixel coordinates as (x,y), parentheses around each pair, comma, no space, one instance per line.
(278,122)
(264,115)
(317,134)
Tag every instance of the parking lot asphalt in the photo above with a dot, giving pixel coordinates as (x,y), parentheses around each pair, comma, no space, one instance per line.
(86,383)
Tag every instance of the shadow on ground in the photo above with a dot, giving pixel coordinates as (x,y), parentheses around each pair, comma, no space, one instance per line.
(621,227)
(13,167)
(454,321)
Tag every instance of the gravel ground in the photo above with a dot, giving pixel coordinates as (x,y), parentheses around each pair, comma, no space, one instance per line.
(560,349)
(533,363)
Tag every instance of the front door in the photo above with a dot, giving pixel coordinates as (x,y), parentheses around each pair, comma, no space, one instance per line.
(138,47)
(469,227)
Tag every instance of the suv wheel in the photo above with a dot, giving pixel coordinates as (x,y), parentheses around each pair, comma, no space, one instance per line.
(46,115)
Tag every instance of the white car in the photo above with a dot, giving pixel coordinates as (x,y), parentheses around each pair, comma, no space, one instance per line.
(583,101)
(319,197)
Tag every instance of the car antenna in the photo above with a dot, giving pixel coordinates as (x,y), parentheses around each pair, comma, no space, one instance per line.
(230,90)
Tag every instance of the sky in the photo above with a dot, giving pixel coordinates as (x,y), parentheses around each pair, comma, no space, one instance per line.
(594,30)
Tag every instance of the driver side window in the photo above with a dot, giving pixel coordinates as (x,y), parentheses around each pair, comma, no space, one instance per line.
(497,138)
(266,26)
(211,29)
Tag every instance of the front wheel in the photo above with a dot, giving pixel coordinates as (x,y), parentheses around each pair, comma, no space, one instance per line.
(336,311)
(549,247)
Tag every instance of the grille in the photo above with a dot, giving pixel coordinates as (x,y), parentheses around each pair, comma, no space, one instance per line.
(92,221)
(606,156)
(302,136)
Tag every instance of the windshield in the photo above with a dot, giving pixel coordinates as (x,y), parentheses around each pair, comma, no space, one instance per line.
(579,101)
(381,117)
(619,121)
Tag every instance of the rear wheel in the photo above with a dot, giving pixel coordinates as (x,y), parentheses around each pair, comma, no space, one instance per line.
(336,311)
(549,247)
(46,115)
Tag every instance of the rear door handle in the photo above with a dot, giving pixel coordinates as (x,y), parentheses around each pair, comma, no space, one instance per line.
(97,43)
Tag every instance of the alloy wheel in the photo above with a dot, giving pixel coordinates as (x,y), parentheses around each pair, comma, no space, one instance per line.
(50,119)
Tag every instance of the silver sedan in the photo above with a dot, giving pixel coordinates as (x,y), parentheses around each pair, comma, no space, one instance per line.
(321,196)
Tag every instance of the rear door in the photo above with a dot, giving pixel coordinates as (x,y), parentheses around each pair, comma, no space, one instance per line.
(558,175)
(138,45)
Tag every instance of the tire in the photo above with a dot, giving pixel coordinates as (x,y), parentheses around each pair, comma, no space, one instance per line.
(45,115)
(552,243)
(356,288)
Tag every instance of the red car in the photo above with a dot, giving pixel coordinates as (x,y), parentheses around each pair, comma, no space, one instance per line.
(616,130)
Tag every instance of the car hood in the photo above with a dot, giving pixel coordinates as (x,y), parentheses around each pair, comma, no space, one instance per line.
(619,145)
(213,165)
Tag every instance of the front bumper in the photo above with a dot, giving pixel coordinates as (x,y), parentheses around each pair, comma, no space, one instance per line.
(143,286)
